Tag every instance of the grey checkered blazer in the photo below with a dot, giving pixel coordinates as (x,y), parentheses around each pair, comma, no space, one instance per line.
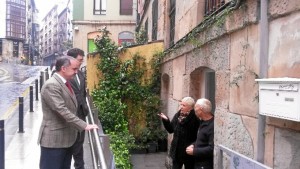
(60,125)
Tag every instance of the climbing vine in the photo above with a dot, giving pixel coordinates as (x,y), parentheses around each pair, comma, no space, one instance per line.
(127,99)
(141,36)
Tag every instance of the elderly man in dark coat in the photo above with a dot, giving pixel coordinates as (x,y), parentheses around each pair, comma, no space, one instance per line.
(203,148)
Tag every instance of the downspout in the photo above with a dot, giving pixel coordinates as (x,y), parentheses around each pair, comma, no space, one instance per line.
(263,73)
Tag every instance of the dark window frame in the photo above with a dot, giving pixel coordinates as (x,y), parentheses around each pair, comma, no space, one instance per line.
(154,19)
(126,7)
(172,15)
(212,5)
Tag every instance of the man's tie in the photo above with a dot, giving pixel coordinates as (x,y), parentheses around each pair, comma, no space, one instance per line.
(69,86)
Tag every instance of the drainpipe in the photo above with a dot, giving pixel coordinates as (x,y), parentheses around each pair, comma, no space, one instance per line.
(263,73)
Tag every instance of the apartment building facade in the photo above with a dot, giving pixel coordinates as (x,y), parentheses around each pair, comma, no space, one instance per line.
(118,16)
(65,35)
(18,33)
(216,49)
(55,33)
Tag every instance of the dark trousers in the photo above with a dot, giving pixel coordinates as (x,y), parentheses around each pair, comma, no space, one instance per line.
(187,162)
(77,151)
(55,158)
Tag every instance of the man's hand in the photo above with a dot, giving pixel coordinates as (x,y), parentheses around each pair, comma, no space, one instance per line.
(91,126)
(190,149)
(163,116)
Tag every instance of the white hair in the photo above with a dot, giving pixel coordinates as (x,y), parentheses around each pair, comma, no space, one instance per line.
(190,101)
(205,105)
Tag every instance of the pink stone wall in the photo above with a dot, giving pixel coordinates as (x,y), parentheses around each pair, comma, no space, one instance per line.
(244,61)
(232,51)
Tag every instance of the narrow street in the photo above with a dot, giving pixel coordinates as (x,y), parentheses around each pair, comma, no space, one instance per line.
(15,80)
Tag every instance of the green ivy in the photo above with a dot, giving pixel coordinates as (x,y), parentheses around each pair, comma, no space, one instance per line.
(124,96)
(141,36)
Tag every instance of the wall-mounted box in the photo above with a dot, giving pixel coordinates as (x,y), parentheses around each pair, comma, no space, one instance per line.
(280,97)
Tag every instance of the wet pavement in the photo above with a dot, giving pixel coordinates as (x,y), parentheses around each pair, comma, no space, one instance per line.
(14,80)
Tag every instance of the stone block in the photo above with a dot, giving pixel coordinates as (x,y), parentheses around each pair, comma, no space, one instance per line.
(283,7)
(244,63)
(286,149)
(284,47)
(178,72)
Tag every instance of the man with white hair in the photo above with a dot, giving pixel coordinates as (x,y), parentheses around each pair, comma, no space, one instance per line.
(184,125)
(203,148)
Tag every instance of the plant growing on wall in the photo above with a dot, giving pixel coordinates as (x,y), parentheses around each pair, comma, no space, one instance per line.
(141,36)
(107,98)
(125,97)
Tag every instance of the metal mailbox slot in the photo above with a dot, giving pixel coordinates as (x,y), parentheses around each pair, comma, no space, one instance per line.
(279,97)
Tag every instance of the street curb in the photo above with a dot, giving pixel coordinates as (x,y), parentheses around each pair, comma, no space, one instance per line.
(12,108)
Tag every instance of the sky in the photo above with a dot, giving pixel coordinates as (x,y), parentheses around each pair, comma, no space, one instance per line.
(44,6)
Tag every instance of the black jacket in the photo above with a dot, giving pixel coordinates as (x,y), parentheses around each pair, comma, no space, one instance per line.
(204,145)
(80,92)
(185,133)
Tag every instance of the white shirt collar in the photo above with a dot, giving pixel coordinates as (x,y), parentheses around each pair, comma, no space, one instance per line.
(63,79)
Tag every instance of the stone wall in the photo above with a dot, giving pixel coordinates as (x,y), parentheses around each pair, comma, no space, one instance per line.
(231,49)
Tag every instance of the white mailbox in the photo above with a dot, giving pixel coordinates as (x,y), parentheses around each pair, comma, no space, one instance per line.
(280,97)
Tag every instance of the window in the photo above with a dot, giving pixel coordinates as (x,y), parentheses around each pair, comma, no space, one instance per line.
(99,7)
(126,7)
(125,38)
(212,6)
(16,19)
(154,19)
(172,21)
(26,49)
(91,46)
(15,49)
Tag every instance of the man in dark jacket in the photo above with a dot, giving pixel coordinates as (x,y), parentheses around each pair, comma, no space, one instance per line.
(184,125)
(79,87)
(203,148)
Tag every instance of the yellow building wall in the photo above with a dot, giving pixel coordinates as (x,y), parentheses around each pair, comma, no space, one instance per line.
(93,75)
(146,51)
